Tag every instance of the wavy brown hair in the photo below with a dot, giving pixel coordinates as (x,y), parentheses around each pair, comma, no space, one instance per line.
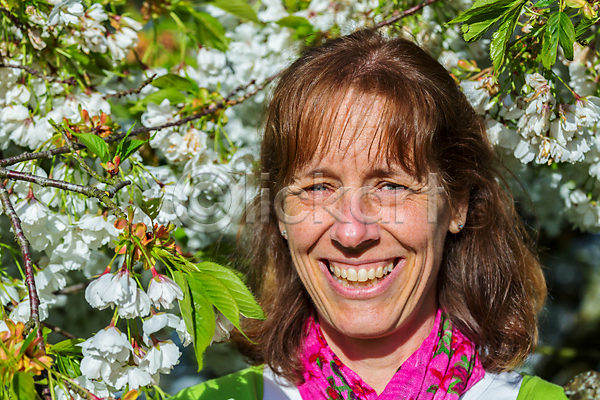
(490,282)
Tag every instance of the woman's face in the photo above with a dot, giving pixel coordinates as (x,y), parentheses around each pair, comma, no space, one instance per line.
(366,237)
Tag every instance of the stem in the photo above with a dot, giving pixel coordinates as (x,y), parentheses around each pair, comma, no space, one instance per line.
(82,163)
(69,81)
(34,300)
(78,287)
(405,13)
(131,91)
(60,331)
(575,95)
(103,196)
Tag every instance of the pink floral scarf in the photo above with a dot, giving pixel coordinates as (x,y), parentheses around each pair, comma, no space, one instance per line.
(444,367)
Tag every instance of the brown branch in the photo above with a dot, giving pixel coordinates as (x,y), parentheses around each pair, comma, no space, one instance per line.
(227,101)
(131,91)
(34,300)
(58,330)
(78,287)
(69,81)
(404,13)
(102,195)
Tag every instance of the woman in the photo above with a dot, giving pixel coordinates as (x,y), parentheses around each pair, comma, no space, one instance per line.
(391,264)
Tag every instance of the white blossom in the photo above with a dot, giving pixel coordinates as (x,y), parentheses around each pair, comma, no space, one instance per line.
(163,291)
(66,12)
(161,357)
(222,328)
(109,344)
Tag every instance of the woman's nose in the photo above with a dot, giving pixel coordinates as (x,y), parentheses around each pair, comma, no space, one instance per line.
(353,228)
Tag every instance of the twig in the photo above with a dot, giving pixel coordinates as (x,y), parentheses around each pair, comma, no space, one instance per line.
(131,91)
(103,196)
(404,13)
(83,164)
(118,186)
(227,101)
(69,81)
(78,287)
(34,300)
(60,331)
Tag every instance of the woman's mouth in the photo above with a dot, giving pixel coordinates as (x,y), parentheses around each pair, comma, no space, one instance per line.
(360,277)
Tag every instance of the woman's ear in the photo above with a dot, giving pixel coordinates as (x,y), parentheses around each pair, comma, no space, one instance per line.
(459,214)
(282,229)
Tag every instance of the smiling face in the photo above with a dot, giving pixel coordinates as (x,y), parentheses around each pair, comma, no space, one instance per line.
(366,237)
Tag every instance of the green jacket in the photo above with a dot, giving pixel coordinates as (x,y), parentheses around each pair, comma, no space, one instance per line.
(248,384)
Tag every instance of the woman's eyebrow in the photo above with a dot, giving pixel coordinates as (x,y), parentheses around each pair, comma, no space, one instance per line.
(381,173)
(316,172)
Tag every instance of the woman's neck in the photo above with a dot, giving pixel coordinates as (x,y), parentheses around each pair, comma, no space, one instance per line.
(377,360)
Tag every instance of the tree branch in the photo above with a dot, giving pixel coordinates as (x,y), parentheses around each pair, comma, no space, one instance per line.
(227,101)
(34,300)
(131,91)
(69,81)
(78,287)
(404,13)
(59,330)
(103,196)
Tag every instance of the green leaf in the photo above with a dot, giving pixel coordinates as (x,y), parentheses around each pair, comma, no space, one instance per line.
(67,365)
(500,38)
(550,41)
(197,312)
(293,22)
(30,338)
(544,3)
(239,8)
(174,96)
(485,10)
(66,346)
(24,386)
(95,144)
(120,145)
(220,296)
(245,300)
(583,25)
(175,82)
(475,30)
(209,31)
(130,147)
(152,207)
(566,34)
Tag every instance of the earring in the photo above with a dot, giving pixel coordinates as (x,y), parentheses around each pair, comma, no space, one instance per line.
(460,227)
(284,234)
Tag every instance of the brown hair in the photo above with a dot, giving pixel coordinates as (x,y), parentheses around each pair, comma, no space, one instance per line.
(490,283)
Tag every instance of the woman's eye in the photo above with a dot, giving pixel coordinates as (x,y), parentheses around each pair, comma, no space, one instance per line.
(317,188)
(392,186)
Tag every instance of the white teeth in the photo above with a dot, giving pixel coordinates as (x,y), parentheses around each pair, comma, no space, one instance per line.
(363,275)
(372,273)
(350,277)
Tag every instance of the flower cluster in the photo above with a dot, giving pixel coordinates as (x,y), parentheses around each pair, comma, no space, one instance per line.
(69,77)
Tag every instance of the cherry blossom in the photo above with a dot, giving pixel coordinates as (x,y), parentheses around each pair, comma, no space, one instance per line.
(163,291)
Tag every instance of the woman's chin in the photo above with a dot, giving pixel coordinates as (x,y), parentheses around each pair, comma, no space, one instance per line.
(359,327)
